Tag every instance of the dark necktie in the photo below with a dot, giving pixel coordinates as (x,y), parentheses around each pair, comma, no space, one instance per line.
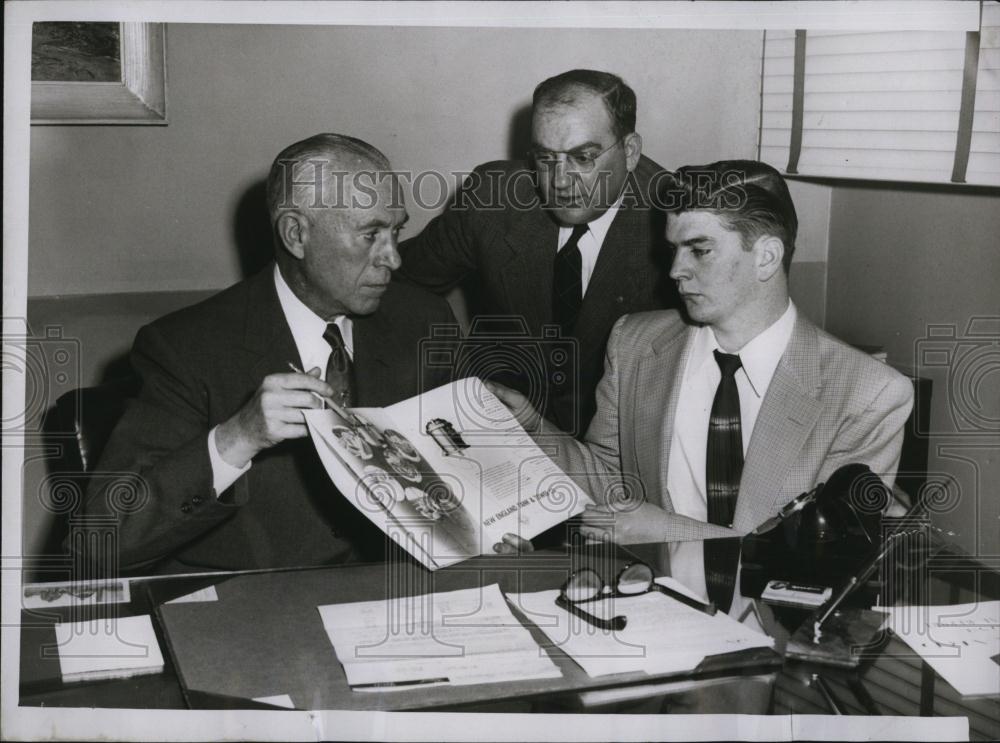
(339,370)
(723,469)
(567,286)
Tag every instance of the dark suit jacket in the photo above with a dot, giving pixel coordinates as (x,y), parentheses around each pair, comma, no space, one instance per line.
(496,231)
(198,366)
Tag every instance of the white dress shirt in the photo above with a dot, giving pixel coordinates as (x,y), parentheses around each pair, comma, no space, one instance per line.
(307,328)
(686,466)
(591,241)
(307,331)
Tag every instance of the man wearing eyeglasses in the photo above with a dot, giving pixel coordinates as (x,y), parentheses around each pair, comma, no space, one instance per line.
(566,239)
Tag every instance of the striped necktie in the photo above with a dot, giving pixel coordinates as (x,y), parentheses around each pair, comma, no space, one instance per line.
(723,469)
(339,369)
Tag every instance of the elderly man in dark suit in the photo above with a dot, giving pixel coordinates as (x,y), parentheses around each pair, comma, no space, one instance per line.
(569,239)
(227,477)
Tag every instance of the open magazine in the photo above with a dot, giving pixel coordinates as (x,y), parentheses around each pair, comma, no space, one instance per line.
(445,474)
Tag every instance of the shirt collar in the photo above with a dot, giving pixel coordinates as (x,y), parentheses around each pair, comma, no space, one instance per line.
(759,356)
(599,227)
(307,327)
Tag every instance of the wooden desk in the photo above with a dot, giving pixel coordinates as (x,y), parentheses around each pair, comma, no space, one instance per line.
(264,637)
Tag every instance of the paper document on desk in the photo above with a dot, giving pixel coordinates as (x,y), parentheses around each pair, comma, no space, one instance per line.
(662,635)
(112,648)
(457,637)
(959,641)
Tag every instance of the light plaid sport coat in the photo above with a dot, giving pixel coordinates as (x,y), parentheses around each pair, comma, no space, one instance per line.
(828,405)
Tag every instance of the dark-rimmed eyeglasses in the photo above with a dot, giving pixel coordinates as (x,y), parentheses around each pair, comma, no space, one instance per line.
(580,161)
(634,579)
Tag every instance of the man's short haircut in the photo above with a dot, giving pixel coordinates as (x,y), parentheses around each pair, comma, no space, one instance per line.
(333,152)
(750,197)
(566,88)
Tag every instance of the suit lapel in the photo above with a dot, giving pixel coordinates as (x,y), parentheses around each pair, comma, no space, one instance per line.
(655,394)
(787,416)
(528,275)
(267,335)
(615,275)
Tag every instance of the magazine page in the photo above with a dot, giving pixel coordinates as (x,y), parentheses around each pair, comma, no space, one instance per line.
(491,468)
(424,501)
(384,477)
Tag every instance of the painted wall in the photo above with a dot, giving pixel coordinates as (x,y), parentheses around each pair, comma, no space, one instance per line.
(118,209)
(807,278)
(909,269)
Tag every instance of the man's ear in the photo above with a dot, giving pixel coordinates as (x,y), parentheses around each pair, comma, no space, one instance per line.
(633,150)
(292,228)
(769,250)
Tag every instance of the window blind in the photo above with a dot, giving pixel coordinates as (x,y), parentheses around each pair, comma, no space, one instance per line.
(884,105)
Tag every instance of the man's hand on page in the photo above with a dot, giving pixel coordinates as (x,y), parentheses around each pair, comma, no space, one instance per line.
(519,406)
(511,544)
(631,525)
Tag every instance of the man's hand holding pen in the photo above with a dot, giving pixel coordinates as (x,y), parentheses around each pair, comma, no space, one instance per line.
(272,415)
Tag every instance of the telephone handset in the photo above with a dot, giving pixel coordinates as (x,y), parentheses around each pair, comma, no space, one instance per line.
(822,535)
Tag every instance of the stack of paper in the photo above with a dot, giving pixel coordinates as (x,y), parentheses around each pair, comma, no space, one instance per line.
(108,648)
(458,637)
(961,642)
(661,636)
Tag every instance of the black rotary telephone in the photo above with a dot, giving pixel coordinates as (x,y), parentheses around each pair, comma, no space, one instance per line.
(821,536)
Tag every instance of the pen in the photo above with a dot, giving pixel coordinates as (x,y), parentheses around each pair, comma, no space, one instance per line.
(852,583)
(324,401)
(392,684)
(827,693)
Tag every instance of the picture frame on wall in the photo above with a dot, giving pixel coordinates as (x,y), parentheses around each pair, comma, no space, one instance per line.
(98,73)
